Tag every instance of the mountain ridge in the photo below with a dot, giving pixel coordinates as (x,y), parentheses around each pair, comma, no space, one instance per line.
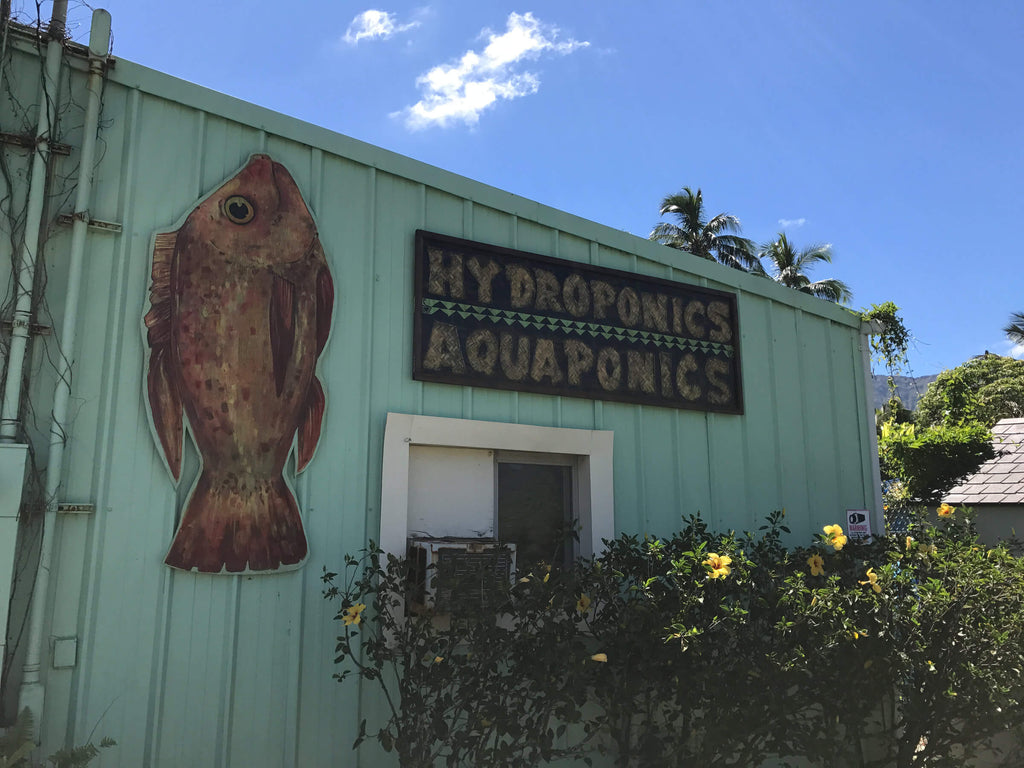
(908,388)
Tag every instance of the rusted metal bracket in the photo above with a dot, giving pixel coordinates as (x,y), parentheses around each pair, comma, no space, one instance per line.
(29,142)
(102,226)
(34,329)
(76,509)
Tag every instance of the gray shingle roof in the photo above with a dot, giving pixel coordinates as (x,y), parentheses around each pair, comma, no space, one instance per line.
(999,480)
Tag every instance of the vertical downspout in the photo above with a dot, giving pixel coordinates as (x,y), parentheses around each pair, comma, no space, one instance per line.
(878,513)
(11,406)
(32,692)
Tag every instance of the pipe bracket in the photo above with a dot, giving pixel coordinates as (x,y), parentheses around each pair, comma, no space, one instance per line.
(28,142)
(101,226)
(33,329)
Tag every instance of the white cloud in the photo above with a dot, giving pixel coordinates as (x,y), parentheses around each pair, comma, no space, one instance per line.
(459,92)
(792,223)
(1009,349)
(374,25)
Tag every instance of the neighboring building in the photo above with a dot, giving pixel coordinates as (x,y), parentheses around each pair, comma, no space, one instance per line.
(996,491)
(416,354)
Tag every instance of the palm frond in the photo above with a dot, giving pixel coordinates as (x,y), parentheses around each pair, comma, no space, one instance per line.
(716,239)
(789,265)
(813,254)
(665,231)
(723,222)
(757,268)
(831,290)
(1015,329)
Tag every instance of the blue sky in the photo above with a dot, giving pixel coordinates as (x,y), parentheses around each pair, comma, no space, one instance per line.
(892,130)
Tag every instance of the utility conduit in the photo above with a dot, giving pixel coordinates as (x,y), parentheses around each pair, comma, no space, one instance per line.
(27,257)
(32,691)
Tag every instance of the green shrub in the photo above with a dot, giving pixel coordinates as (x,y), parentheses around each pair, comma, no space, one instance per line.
(926,462)
(17,744)
(703,648)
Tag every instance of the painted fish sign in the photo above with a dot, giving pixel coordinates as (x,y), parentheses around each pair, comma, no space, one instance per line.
(240,308)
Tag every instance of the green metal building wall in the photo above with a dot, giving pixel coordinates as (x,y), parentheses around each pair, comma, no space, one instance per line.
(186,669)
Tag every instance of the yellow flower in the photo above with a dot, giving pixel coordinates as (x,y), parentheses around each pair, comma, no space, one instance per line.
(719,565)
(945,510)
(583,604)
(817,565)
(546,577)
(351,615)
(438,659)
(910,541)
(872,580)
(836,537)
(927,549)
(602,657)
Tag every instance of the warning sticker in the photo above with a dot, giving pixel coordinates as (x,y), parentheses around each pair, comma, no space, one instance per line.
(858,523)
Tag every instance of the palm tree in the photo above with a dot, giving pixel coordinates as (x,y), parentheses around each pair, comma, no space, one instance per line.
(1015,330)
(788,265)
(715,240)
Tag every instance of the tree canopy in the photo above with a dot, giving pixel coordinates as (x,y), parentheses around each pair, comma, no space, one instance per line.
(949,436)
(715,239)
(718,239)
(789,266)
(921,464)
(983,390)
(923,454)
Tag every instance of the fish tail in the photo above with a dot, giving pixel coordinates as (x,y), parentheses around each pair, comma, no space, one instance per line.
(238,526)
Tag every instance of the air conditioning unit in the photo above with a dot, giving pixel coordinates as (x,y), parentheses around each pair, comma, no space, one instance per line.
(450,574)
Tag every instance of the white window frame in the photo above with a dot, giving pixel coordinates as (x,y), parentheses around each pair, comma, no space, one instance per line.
(592,448)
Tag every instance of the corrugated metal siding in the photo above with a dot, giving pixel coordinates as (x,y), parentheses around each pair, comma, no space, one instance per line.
(236,671)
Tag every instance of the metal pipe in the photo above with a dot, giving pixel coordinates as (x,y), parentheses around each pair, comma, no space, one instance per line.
(32,691)
(10,409)
(878,510)
(58,20)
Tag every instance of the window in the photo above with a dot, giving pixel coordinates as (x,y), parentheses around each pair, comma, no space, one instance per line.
(463,478)
(536,506)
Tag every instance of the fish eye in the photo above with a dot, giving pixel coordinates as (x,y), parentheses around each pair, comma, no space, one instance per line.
(238,209)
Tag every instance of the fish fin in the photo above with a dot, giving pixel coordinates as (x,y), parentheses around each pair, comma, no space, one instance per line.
(164,399)
(324,308)
(158,319)
(282,328)
(227,529)
(309,426)
(165,405)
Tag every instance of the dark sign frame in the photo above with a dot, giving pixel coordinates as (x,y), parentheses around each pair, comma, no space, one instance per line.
(494,317)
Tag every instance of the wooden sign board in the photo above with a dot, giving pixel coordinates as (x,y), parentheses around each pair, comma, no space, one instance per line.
(493,317)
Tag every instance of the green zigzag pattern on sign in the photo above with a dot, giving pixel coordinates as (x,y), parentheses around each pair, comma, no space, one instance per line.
(563,325)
